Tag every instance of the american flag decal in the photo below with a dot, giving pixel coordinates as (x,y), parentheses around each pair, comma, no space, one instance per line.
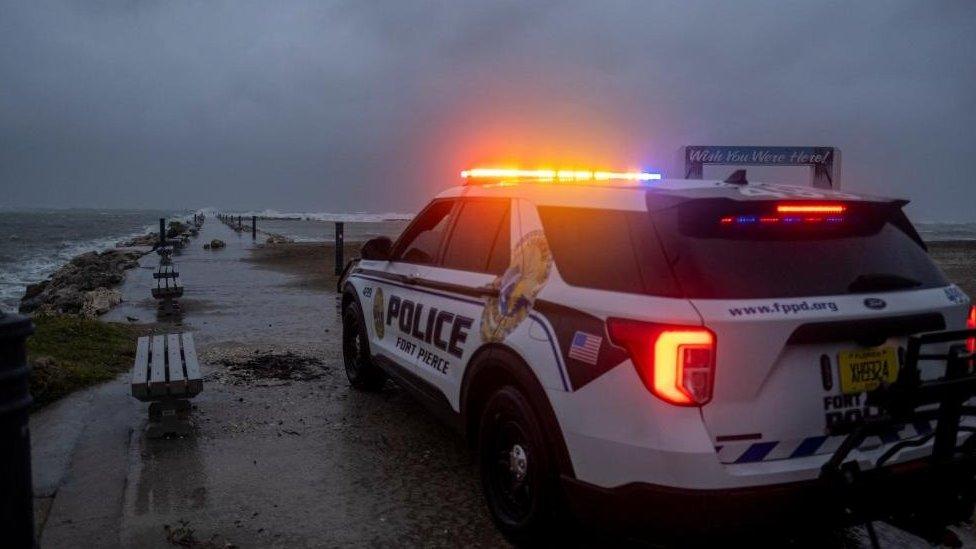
(585,347)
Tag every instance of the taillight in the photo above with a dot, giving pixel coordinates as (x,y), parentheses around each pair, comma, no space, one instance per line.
(676,363)
(971,324)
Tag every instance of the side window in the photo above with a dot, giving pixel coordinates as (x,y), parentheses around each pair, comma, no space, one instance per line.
(422,239)
(607,250)
(480,241)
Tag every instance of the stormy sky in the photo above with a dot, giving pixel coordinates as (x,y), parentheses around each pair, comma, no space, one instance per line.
(374,106)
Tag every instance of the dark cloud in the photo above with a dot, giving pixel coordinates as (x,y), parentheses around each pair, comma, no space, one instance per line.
(376,105)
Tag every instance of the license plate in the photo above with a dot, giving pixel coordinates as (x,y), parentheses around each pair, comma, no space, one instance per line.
(864,369)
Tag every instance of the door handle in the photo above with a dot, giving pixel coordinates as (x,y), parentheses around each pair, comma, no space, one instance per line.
(412,278)
(487,290)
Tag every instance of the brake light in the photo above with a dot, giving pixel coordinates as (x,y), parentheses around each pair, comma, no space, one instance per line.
(676,363)
(971,324)
(811,208)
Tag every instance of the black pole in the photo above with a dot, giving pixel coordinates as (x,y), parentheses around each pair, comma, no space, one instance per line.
(16,492)
(254,227)
(240,222)
(162,231)
(338,247)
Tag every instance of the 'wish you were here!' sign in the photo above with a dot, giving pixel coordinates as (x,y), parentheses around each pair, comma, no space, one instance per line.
(823,160)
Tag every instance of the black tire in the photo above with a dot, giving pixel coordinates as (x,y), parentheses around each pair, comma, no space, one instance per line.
(520,493)
(362,372)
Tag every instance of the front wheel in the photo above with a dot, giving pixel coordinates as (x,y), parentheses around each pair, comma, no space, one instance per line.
(517,473)
(362,372)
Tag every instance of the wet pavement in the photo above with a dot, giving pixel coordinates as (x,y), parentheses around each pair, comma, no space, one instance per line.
(286,460)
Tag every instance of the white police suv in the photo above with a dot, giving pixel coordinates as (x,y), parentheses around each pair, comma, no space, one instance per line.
(673,355)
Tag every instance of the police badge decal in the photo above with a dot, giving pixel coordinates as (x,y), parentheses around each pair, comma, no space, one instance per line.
(378,308)
(517,287)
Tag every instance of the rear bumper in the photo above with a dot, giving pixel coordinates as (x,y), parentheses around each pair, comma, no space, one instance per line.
(687,515)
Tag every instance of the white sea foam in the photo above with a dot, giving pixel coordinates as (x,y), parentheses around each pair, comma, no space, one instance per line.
(355,217)
(15,276)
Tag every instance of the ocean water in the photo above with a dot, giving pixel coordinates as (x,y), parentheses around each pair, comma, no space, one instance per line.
(34,243)
(935,232)
(354,217)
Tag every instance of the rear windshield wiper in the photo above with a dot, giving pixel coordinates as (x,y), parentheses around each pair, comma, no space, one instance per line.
(880,282)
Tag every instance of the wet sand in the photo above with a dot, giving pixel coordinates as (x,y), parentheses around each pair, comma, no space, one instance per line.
(312,262)
(958,260)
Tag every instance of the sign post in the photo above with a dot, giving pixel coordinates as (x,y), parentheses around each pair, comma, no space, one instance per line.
(339,243)
(824,162)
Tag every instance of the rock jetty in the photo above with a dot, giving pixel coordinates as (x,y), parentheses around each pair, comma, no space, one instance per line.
(84,286)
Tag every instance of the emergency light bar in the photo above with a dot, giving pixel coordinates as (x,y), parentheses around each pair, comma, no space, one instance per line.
(557,175)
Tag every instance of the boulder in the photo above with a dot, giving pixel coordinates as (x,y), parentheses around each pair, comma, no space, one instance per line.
(148,239)
(277,239)
(98,302)
(175,229)
(34,290)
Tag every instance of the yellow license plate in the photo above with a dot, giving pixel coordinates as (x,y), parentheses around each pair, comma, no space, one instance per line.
(864,369)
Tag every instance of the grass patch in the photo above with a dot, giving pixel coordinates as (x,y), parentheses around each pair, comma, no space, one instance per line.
(70,353)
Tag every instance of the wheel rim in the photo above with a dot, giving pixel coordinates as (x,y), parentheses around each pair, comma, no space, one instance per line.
(352,345)
(511,472)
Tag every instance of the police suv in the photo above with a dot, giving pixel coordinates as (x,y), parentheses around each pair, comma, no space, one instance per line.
(671,354)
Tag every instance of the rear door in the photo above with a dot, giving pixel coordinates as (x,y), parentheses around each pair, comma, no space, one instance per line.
(808,314)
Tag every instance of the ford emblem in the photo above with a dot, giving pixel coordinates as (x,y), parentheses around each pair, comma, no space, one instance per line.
(875,303)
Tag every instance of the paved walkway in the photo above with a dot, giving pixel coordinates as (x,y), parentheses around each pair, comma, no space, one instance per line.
(270,463)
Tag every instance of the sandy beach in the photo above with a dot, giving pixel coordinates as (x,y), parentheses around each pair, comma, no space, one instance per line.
(958,261)
(311,262)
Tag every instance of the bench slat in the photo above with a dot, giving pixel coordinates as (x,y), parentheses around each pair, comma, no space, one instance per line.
(193,378)
(140,369)
(177,381)
(157,376)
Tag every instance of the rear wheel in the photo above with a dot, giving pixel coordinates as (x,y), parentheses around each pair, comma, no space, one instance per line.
(517,473)
(362,372)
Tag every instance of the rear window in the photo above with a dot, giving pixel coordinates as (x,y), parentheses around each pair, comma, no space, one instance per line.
(607,250)
(718,250)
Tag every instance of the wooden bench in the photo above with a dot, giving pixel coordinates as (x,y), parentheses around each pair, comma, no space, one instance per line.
(166,373)
(171,273)
(172,288)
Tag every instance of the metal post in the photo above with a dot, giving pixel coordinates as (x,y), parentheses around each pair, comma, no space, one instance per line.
(338,247)
(240,222)
(162,231)
(254,227)
(16,493)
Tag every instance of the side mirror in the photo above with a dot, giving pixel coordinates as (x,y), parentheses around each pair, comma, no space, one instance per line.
(377,249)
